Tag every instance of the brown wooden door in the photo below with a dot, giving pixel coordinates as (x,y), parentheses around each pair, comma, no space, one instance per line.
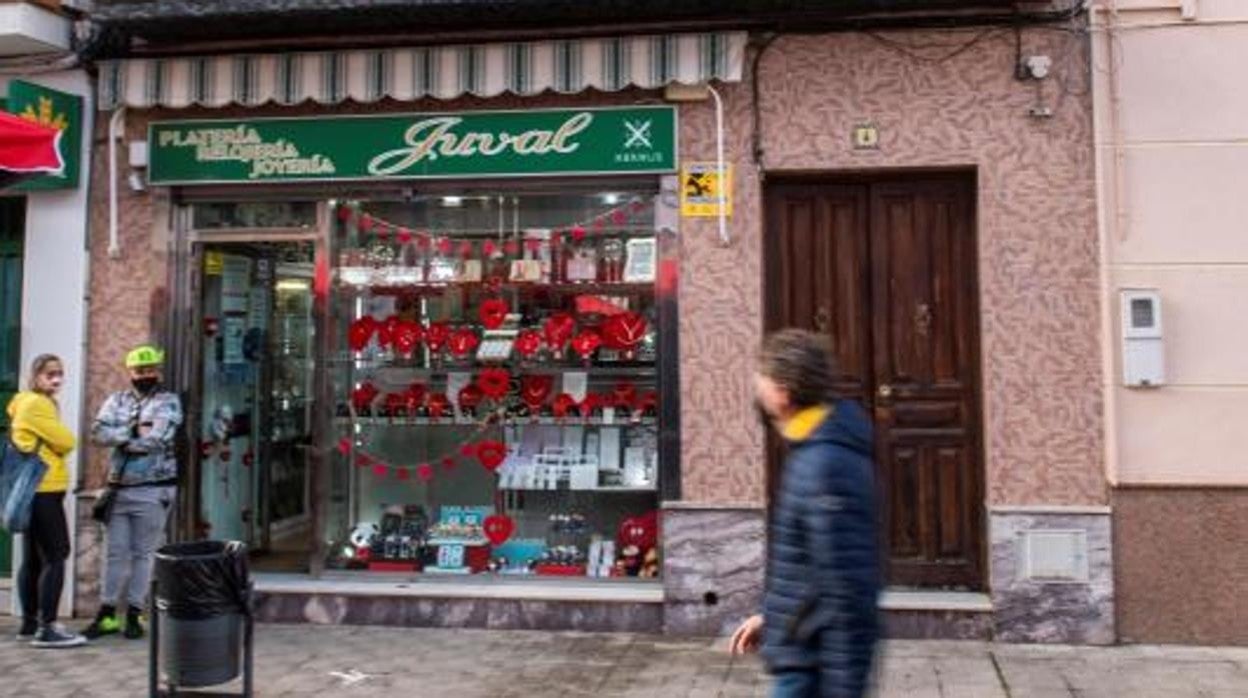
(887,269)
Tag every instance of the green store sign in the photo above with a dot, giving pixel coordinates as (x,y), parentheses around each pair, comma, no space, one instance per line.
(410,146)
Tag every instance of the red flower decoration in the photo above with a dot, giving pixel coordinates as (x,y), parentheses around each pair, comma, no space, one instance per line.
(491,454)
(404,235)
(578,233)
(528,343)
(558,329)
(563,405)
(396,403)
(493,313)
(407,336)
(360,333)
(436,335)
(624,331)
(424,472)
(586,343)
(365,223)
(534,390)
(494,382)
(463,342)
(438,404)
(498,528)
(470,397)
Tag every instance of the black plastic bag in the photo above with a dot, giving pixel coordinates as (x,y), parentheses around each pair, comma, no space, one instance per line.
(204,579)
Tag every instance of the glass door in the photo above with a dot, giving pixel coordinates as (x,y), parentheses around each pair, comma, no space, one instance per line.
(12,233)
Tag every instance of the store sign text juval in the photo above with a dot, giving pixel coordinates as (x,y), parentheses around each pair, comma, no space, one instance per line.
(404,146)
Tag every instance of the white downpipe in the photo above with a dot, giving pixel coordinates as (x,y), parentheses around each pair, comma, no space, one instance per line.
(719,165)
(115,124)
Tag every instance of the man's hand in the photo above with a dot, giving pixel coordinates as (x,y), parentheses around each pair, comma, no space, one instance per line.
(748,636)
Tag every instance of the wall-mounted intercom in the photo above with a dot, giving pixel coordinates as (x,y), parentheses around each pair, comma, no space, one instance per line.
(1143,350)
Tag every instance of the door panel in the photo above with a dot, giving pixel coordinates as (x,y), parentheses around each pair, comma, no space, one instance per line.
(887,268)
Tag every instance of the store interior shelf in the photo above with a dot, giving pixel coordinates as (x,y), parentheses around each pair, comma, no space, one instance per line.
(519,421)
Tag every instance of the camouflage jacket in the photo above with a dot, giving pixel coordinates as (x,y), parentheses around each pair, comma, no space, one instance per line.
(142,433)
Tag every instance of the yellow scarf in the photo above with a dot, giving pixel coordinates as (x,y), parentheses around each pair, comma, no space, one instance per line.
(803,424)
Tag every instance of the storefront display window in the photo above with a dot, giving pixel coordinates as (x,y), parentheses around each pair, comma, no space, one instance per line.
(495,385)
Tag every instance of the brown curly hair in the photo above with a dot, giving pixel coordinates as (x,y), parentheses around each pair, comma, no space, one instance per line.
(800,362)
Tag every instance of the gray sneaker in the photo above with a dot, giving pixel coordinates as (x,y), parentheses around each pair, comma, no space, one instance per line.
(52,637)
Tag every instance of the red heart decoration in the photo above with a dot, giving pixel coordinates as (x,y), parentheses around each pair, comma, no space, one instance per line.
(424,472)
(528,343)
(404,235)
(489,247)
(578,233)
(533,245)
(563,404)
(493,312)
(396,403)
(624,331)
(382,230)
(436,335)
(363,396)
(344,213)
(415,397)
(361,332)
(422,241)
(619,217)
(386,330)
(402,473)
(465,249)
(468,450)
(380,470)
(448,463)
(641,531)
(491,454)
(363,460)
(365,223)
(498,528)
(558,329)
(511,247)
(438,404)
(625,395)
(470,396)
(535,389)
(407,336)
(445,245)
(463,341)
(494,382)
(589,404)
(344,446)
(224,455)
(586,343)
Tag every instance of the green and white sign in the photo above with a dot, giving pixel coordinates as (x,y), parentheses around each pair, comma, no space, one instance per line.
(407,146)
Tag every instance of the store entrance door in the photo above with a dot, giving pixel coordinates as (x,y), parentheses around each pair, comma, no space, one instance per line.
(253,393)
(887,268)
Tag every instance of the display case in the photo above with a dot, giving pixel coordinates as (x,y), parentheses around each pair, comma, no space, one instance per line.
(495,381)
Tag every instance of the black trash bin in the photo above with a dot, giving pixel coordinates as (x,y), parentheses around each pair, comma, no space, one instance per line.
(202,616)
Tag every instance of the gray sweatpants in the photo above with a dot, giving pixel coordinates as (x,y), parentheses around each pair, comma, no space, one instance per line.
(134,532)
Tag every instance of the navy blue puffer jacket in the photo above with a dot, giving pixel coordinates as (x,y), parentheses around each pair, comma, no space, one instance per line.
(823,574)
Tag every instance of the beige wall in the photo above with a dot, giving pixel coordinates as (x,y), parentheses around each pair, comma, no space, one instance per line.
(1172,133)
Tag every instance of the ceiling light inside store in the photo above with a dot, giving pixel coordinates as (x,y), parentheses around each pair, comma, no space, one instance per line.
(611,199)
(452,201)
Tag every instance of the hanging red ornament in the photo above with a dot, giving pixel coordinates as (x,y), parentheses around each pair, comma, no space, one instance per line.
(586,343)
(407,336)
(564,404)
(527,343)
(365,223)
(382,230)
(363,460)
(438,404)
(402,473)
(448,463)
(494,382)
(468,450)
(558,329)
(465,249)
(489,247)
(445,246)
(436,336)
(404,236)
(638,205)
(618,217)
(600,223)
(344,213)
(493,312)
(463,342)
(344,446)
(380,470)
(360,333)
(491,454)
(498,528)
(470,397)
(578,233)
(386,330)
(624,331)
(534,390)
(511,248)
(424,472)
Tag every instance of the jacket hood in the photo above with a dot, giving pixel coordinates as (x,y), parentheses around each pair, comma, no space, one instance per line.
(848,427)
(19,400)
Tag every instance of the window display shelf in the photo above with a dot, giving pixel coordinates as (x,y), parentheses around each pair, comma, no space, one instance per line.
(435,288)
(515,422)
(651,489)
(419,369)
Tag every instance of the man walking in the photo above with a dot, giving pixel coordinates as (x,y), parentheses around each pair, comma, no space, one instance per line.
(140,425)
(819,625)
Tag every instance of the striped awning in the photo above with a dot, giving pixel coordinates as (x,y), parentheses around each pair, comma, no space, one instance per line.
(405,74)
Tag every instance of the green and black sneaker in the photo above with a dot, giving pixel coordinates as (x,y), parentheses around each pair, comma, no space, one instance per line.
(106,623)
(134,624)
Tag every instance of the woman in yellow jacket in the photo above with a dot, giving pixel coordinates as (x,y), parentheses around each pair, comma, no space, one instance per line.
(35,423)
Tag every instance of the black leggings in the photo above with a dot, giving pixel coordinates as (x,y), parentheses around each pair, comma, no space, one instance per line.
(42,575)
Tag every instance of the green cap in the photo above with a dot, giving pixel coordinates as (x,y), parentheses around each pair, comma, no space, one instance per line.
(146,355)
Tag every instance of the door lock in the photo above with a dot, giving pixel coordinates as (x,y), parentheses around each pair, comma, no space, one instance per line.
(885,391)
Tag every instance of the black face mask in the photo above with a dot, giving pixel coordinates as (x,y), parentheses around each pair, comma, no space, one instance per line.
(144,386)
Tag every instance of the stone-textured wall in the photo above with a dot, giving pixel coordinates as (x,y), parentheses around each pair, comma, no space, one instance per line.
(1036,229)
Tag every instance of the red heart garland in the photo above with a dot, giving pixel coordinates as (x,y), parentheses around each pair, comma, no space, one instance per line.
(558,329)
(382,230)
(494,382)
(445,245)
(624,331)
(470,397)
(489,247)
(493,312)
(424,472)
(438,404)
(365,223)
(407,336)
(436,335)
(344,213)
(402,473)
(619,217)
(600,223)
(380,470)
(534,390)
(396,403)
(528,343)
(563,404)
(463,341)
(586,343)
(404,235)
(423,242)
(511,247)
(361,333)
(363,460)
(533,245)
(578,233)
(344,446)
(491,454)
(498,528)
(448,463)
(468,450)
(465,249)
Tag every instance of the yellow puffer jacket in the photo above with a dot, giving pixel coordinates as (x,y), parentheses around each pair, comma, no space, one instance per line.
(33,419)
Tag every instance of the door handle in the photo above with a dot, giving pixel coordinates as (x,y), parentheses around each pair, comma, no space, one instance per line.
(823,318)
(885,391)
